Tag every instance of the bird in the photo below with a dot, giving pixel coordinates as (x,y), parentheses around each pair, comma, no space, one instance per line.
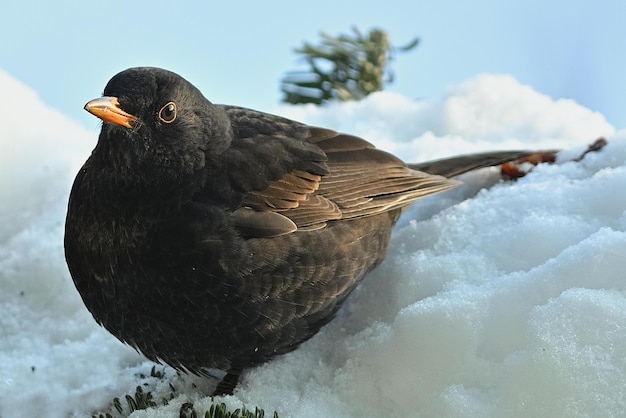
(212,236)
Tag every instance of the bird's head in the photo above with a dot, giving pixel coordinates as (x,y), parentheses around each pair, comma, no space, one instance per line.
(156,120)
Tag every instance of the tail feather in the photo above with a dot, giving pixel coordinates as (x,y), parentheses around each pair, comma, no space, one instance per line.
(454,166)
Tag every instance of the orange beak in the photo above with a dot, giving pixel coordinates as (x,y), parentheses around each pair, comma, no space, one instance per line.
(108,109)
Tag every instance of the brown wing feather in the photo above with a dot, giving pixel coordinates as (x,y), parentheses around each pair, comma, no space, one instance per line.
(362,181)
(288,192)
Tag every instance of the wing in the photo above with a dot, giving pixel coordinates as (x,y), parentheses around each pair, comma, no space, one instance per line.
(295,177)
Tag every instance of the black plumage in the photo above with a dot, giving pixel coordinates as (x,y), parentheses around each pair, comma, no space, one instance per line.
(211,236)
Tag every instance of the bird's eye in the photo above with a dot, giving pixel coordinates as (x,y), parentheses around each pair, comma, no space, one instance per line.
(167,113)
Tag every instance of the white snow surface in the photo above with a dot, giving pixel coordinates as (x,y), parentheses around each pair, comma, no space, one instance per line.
(502,302)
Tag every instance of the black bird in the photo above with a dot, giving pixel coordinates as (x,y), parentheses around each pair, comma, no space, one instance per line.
(212,236)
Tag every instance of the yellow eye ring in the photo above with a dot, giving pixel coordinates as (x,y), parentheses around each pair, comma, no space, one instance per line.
(167,114)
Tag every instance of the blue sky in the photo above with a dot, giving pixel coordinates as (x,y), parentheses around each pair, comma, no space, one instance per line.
(236,52)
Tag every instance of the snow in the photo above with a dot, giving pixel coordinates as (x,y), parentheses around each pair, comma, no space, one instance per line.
(503,302)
